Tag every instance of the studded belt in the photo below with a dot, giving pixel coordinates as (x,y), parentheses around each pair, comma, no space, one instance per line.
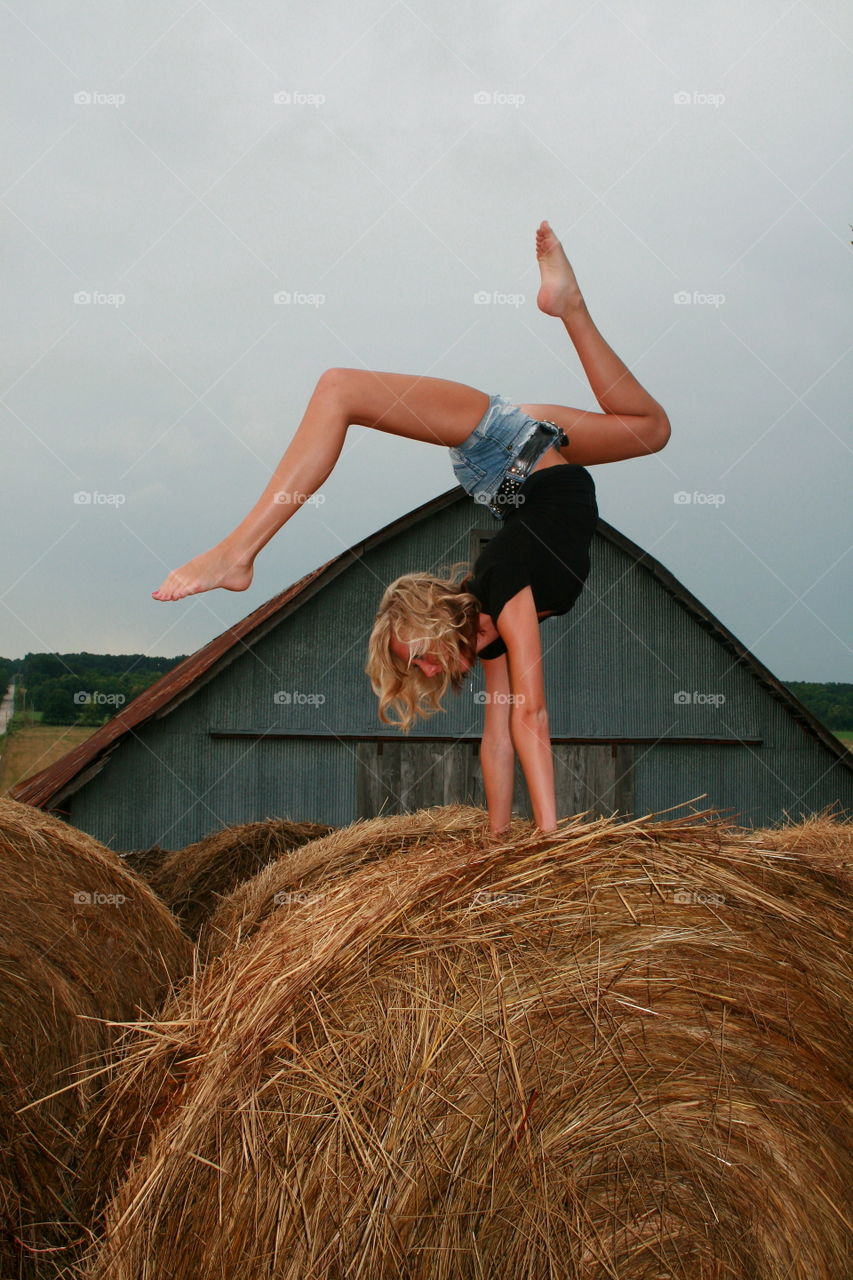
(537,443)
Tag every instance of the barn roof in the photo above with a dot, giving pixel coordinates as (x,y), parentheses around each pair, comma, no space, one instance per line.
(52,785)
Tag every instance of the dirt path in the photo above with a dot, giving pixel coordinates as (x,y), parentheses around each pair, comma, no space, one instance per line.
(7,706)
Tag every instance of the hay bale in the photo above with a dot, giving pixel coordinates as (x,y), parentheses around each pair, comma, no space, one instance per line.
(311,869)
(192,881)
(619,1051)
(146,862)
(82,940)
(825,841)
(295,878)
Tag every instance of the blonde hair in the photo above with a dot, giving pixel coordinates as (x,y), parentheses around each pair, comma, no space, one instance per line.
(433,615)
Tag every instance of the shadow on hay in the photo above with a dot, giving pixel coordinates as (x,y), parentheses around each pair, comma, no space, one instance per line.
(621,1050)
(192,881)
(85,944)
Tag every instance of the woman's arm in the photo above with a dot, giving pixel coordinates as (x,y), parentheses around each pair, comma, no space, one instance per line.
(518,626)
(497,754)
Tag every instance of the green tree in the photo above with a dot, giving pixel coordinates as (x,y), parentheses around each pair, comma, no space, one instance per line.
(59,707)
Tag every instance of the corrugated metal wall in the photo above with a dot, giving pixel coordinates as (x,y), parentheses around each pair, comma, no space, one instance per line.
(629,662)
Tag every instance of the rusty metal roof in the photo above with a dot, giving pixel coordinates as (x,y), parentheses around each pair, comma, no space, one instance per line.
(51,785)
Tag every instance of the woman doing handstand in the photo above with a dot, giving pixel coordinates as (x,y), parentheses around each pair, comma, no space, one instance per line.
(527,463)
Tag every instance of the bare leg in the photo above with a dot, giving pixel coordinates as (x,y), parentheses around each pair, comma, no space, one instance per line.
(429,409)
(633,423)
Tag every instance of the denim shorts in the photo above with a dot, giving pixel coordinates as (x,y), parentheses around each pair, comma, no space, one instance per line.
(481,462)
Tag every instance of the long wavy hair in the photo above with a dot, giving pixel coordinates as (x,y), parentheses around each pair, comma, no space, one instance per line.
(434,615)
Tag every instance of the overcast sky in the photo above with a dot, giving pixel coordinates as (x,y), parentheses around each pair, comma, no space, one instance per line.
(180,164)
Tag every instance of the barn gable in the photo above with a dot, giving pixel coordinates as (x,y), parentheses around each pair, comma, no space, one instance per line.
(652,703)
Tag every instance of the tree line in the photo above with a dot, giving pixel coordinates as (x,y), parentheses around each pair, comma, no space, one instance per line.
(81,688)
(831,702)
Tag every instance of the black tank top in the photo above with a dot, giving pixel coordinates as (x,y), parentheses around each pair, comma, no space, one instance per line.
(544,544)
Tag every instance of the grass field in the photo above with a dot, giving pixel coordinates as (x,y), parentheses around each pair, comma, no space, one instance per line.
(34,747)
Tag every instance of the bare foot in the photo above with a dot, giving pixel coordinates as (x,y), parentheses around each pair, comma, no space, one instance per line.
(216,568)
(559,292)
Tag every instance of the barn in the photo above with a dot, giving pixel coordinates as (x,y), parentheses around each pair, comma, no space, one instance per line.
(652,703)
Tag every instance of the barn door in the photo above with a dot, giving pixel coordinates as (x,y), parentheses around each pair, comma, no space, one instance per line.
(402,776)
(596,776)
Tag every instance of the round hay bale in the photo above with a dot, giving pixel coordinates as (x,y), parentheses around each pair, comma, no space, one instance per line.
(83,943)
(192,881)
(293,879)
(618,1051)
(311,869)
(825,841)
